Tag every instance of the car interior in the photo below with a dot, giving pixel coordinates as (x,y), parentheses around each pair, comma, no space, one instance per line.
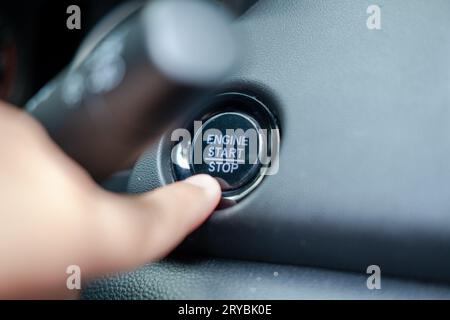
(356,96)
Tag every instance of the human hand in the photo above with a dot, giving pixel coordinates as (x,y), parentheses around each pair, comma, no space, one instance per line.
(52,215)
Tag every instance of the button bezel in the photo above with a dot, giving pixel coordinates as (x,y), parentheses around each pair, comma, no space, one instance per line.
(229,102)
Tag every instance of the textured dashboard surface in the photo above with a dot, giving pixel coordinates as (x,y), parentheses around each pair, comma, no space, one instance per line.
(226,279)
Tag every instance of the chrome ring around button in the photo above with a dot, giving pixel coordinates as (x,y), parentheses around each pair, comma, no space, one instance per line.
(231,110)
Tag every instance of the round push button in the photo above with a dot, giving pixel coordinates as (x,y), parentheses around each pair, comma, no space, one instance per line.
(227,147)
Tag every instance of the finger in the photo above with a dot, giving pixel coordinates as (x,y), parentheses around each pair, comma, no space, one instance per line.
(132,230)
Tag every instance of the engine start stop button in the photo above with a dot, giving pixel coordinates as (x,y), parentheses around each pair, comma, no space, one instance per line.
(227,147)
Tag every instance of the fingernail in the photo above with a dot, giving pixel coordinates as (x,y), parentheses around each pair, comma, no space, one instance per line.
(206,182)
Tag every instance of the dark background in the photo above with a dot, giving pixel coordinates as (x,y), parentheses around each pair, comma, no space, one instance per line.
(45,45)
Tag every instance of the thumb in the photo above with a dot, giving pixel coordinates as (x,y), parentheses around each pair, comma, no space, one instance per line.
(128,231)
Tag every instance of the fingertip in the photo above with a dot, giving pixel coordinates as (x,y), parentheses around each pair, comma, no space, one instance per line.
(208,184)
(136,229)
